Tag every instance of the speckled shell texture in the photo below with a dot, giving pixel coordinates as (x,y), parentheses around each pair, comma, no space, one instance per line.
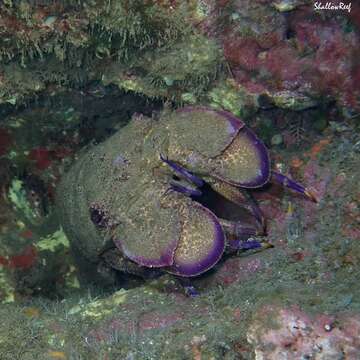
(126,181)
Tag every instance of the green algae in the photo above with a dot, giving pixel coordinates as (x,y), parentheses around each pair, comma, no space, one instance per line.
(7,289)
(100,308)
(155,43)
(53,241)
(292,101)
(18,197)
(232,97)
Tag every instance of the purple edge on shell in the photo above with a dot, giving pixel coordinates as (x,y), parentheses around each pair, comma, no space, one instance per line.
(165,259)
(235,122)
(265,173)
(213,256)
(185,190)
(183,172)
(263,153)
(238,125)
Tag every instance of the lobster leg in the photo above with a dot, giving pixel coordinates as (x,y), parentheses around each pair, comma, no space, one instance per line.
(293,185)
(182,172)
(235,231)
(186,190)
(255,210)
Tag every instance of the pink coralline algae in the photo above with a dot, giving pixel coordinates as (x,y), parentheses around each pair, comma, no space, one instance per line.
(242,52)
(237,270)
(303,50)
(157,320)
(290,333)
(23,260)
(41,158)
